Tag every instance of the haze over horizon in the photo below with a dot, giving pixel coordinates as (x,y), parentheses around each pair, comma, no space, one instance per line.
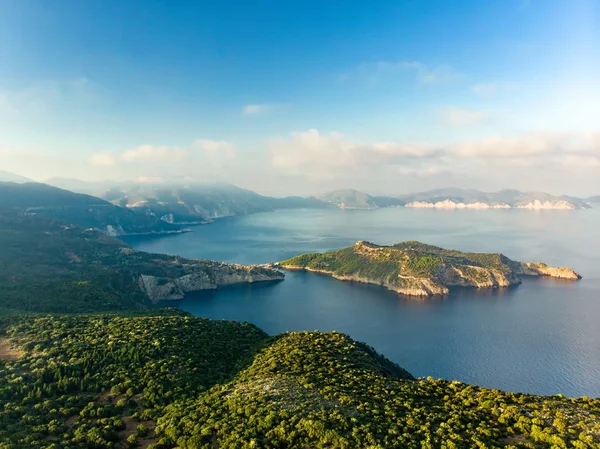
(305,97)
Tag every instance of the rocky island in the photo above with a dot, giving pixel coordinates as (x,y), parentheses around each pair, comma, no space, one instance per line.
(417,269)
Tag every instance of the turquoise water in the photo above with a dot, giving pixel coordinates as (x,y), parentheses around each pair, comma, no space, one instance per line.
(540,337)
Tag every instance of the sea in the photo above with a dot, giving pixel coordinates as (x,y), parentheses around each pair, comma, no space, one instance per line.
(540,337)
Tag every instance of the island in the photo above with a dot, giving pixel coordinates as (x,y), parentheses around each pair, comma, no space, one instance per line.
(416,269)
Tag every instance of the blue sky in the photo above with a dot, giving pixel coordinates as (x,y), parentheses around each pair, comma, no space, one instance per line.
(303,96)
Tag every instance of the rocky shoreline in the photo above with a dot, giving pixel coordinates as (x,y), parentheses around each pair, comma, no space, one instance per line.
(451,268)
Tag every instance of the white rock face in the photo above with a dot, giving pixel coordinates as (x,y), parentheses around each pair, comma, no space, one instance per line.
(169,218)
(207,276)
(539,205)
(449,204)
(115,232)
(541,269)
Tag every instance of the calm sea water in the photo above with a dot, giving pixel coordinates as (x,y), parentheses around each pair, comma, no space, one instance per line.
(540,337)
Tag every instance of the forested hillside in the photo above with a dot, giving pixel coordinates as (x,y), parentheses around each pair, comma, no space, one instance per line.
(165,379)
(50,266)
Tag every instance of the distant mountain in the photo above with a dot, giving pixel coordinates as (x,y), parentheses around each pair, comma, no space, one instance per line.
(78,209)
(197,202)
(181,202)
(6,176)
(76,185)
(593,200)
(353,199)
(505,199)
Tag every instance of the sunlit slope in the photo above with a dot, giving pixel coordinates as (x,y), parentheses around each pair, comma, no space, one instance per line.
(416,269)
(172,380)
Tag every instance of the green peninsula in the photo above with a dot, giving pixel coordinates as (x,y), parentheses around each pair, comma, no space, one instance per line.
(416,269)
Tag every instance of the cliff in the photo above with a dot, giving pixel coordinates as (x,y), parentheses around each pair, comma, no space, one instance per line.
(416,269)
(203,275)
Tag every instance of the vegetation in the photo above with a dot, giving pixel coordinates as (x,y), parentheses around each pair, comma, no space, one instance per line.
(166,379)
(161,378)
(48,266)
(412,267)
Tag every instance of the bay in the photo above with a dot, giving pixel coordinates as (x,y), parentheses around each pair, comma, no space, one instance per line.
(541,337)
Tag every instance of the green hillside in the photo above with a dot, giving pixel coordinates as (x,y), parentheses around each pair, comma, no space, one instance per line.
(165,379)
(417,269)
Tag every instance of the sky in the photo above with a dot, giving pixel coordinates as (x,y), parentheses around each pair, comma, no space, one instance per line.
(301,97)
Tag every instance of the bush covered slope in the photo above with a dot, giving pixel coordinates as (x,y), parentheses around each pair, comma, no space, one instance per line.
(416,269)
(171,380)
(48,266)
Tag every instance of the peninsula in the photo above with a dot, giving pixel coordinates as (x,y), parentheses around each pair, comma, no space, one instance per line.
(416,269)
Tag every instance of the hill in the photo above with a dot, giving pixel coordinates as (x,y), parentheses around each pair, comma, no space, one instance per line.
(416,269)
(164,379)
(6,176)
(594,200)
(505,199)
(187,202)
(47,265)
(79,209)
(353,199)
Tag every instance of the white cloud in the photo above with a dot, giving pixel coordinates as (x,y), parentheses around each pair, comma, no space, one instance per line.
(464,117)
(540,145)
(103,159)
(217,153)
(204,152)
(150,179)
(153,153)
(215,147)
(385,70)
(319,157)
(327,156)
(255,109)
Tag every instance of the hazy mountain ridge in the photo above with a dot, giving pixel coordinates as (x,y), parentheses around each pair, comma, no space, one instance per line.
(454,198)
(354,199)
(6,176)
(509,198)
(79,209)
(593,200)
(189,202)
(196,202)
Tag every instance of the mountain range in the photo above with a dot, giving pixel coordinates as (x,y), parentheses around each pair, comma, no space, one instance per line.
(142,208)
(78,209)
(6,176)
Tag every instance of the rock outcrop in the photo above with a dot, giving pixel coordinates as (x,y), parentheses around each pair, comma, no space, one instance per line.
(416,269)
(541,269)
(204,275)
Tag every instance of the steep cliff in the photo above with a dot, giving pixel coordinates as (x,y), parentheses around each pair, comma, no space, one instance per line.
(416,269)
(204,275)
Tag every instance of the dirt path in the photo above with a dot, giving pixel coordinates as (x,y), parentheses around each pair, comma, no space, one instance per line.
(7,352)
